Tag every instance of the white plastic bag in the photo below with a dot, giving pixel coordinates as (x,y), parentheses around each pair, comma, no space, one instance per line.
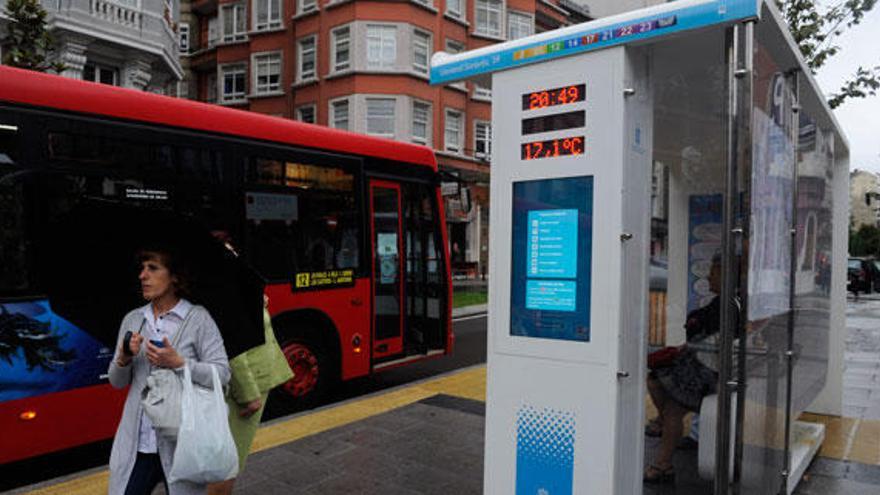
(205,451)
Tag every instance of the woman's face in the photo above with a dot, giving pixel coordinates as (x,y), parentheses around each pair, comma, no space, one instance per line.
(156,280)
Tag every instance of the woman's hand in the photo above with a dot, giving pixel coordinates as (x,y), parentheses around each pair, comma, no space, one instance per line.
(164,357)
(134,345)
(250,408)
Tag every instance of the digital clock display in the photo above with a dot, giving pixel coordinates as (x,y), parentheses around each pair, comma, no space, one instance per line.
(552,97)
(552,148)
(554,122)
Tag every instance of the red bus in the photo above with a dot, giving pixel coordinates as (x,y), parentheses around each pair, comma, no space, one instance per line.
(347,229)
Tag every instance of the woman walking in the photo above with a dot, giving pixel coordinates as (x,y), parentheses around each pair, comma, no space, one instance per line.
(141,458)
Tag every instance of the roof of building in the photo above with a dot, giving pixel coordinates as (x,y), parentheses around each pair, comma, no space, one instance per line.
(45,90)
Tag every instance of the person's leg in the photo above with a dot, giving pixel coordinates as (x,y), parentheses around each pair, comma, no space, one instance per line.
(658,397)
(146,474)
(661,470)
(673,416)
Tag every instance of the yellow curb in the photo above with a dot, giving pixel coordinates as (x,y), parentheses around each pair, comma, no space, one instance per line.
(470,384)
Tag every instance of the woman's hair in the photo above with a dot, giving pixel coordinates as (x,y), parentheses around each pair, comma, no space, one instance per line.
(173,262)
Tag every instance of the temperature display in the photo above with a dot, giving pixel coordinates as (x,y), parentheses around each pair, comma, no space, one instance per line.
(553,148)
(551,97)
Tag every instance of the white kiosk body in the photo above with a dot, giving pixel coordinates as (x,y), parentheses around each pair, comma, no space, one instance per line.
(574,117)
(567,260)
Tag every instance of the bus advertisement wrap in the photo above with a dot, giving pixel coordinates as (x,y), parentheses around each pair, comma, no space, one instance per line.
(41,353)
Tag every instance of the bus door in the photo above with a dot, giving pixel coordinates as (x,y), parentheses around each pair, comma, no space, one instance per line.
(387,242)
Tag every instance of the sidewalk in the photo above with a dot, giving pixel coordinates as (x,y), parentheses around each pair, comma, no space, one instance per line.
(427,438)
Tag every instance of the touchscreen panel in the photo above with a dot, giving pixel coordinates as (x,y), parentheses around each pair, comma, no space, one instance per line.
(551,259)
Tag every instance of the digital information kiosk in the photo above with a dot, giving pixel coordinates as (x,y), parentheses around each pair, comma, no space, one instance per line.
(563,385)
(573,132)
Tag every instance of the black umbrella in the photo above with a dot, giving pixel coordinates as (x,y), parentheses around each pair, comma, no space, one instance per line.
(91,270)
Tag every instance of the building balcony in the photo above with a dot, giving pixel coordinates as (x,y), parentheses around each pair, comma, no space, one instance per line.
(119,29)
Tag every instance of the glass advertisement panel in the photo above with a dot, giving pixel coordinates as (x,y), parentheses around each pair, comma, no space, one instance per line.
(552,251)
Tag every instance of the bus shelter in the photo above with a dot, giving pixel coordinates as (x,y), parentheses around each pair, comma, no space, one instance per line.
(688,141)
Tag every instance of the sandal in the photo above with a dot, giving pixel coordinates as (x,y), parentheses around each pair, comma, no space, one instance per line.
(654,428)
(657,475)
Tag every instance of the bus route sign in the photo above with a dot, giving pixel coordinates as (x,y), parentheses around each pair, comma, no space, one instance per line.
(324,279)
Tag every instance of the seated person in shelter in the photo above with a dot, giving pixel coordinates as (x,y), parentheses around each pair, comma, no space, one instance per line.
(679,384)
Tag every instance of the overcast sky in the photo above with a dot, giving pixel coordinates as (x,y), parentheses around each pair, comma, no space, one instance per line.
(860,118)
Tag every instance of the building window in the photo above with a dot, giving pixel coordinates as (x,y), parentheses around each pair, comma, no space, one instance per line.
(268,14)
(234,22)
(267,73)
(453,8)
(234,77)
(519,25)
(100,74)
(341,49)
(211,88)
(306,6)
(381,46)
(339,114)
(453,47)
(421,51)
(421,122)
(453,128)
(482,139)
(380,116)
(307,59)
(306,113)
(213,32)
(488,17)
(482,93)
(183,37)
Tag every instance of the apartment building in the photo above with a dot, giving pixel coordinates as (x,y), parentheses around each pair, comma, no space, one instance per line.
(363,66)
(129,43)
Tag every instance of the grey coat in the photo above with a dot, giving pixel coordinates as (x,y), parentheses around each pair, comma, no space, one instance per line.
(201,346)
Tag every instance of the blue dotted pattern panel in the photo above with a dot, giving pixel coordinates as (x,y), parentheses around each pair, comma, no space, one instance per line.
(544,451)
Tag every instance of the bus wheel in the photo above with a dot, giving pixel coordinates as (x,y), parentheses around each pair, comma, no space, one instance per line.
(306,362)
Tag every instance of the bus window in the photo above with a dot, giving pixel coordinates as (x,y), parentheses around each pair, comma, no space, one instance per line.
(98,150)
(13,247)
(201,191)
(301,218)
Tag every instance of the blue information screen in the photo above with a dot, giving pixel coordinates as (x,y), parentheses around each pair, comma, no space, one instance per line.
(551,258)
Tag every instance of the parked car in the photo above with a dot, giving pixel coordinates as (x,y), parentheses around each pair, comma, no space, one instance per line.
(862,274)
(876,264)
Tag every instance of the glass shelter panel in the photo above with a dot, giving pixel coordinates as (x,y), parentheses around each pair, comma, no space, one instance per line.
(689,80)
(761,350)
(812,296)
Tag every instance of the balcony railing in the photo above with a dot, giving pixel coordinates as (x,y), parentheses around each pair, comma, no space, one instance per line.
(116,13)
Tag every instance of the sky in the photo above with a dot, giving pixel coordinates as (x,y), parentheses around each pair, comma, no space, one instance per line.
(860,118)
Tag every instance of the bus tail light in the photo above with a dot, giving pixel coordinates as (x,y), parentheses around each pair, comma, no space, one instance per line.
(28,415)
(356,343)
